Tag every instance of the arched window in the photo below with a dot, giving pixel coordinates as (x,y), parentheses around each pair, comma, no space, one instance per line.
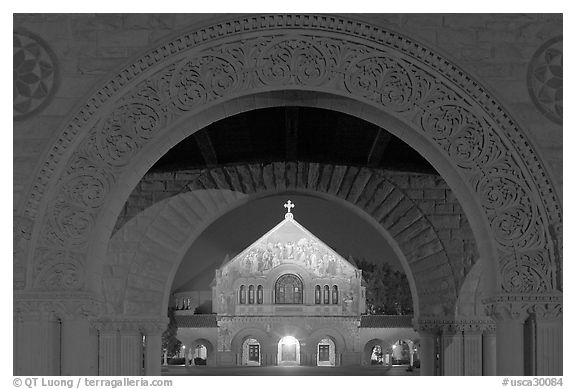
(317,295)
(334,294)
(260,296)
(326,294)
(242,294)
(289,289)
(251,294)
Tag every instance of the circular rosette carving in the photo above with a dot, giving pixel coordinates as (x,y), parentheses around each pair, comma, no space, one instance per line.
(524,274)
(292,62)
(125,131)
(204,79)
(383,79)
(35,74)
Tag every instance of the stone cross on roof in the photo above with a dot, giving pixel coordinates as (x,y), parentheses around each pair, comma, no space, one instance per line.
(288,206)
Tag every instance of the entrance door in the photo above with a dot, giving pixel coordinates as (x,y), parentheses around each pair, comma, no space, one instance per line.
(289,352)
(324,353)
(251,352)
(254,352)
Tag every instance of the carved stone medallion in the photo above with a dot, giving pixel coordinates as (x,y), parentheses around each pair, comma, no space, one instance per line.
(545,79)
(35,74)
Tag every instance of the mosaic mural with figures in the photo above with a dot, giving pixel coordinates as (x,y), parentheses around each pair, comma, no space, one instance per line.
(306,252)
(35,75)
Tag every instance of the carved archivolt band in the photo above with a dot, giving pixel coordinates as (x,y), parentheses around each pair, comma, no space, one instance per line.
(318,53)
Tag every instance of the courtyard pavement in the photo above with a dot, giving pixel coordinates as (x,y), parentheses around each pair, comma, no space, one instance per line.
(284,370)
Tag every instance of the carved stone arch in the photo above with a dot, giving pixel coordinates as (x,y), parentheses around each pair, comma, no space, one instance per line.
(369,346)
(339,340)
(249,332)
(210,349)
(80,188)
(146,251)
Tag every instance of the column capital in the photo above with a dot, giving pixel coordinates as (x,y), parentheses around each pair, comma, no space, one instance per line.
(155,326)
(454,326)
(520,306)
(145,325)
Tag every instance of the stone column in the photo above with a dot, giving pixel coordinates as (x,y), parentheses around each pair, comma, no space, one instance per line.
(472,350)
(77,347)
(108,349)
(427,352)
(153,353)
(38,341)
(548,321)
(509,312)
(489,351)
(452,351)
(131,359)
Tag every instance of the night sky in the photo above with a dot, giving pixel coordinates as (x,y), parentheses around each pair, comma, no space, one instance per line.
(343,229)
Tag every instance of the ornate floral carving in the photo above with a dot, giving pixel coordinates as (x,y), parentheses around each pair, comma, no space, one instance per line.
(383,79)
(292,61)
(124,132)
(59,270)
(203,79)
(525,273)
(403,79)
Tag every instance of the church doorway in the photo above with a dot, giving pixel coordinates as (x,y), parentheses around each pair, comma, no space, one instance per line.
(326,353)
(251,355)
(200,355)
(288,351)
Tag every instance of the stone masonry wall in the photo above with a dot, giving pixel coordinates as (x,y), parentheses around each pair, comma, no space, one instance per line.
(495,49)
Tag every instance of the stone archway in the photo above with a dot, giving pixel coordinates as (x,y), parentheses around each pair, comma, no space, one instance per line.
(350,66)
(288,351)
(369,348)
(209,350)
(239,346)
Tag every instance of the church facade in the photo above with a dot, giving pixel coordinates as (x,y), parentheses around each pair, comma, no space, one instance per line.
(288,299)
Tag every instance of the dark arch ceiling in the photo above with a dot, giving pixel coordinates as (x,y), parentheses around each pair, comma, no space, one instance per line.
(293,134)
